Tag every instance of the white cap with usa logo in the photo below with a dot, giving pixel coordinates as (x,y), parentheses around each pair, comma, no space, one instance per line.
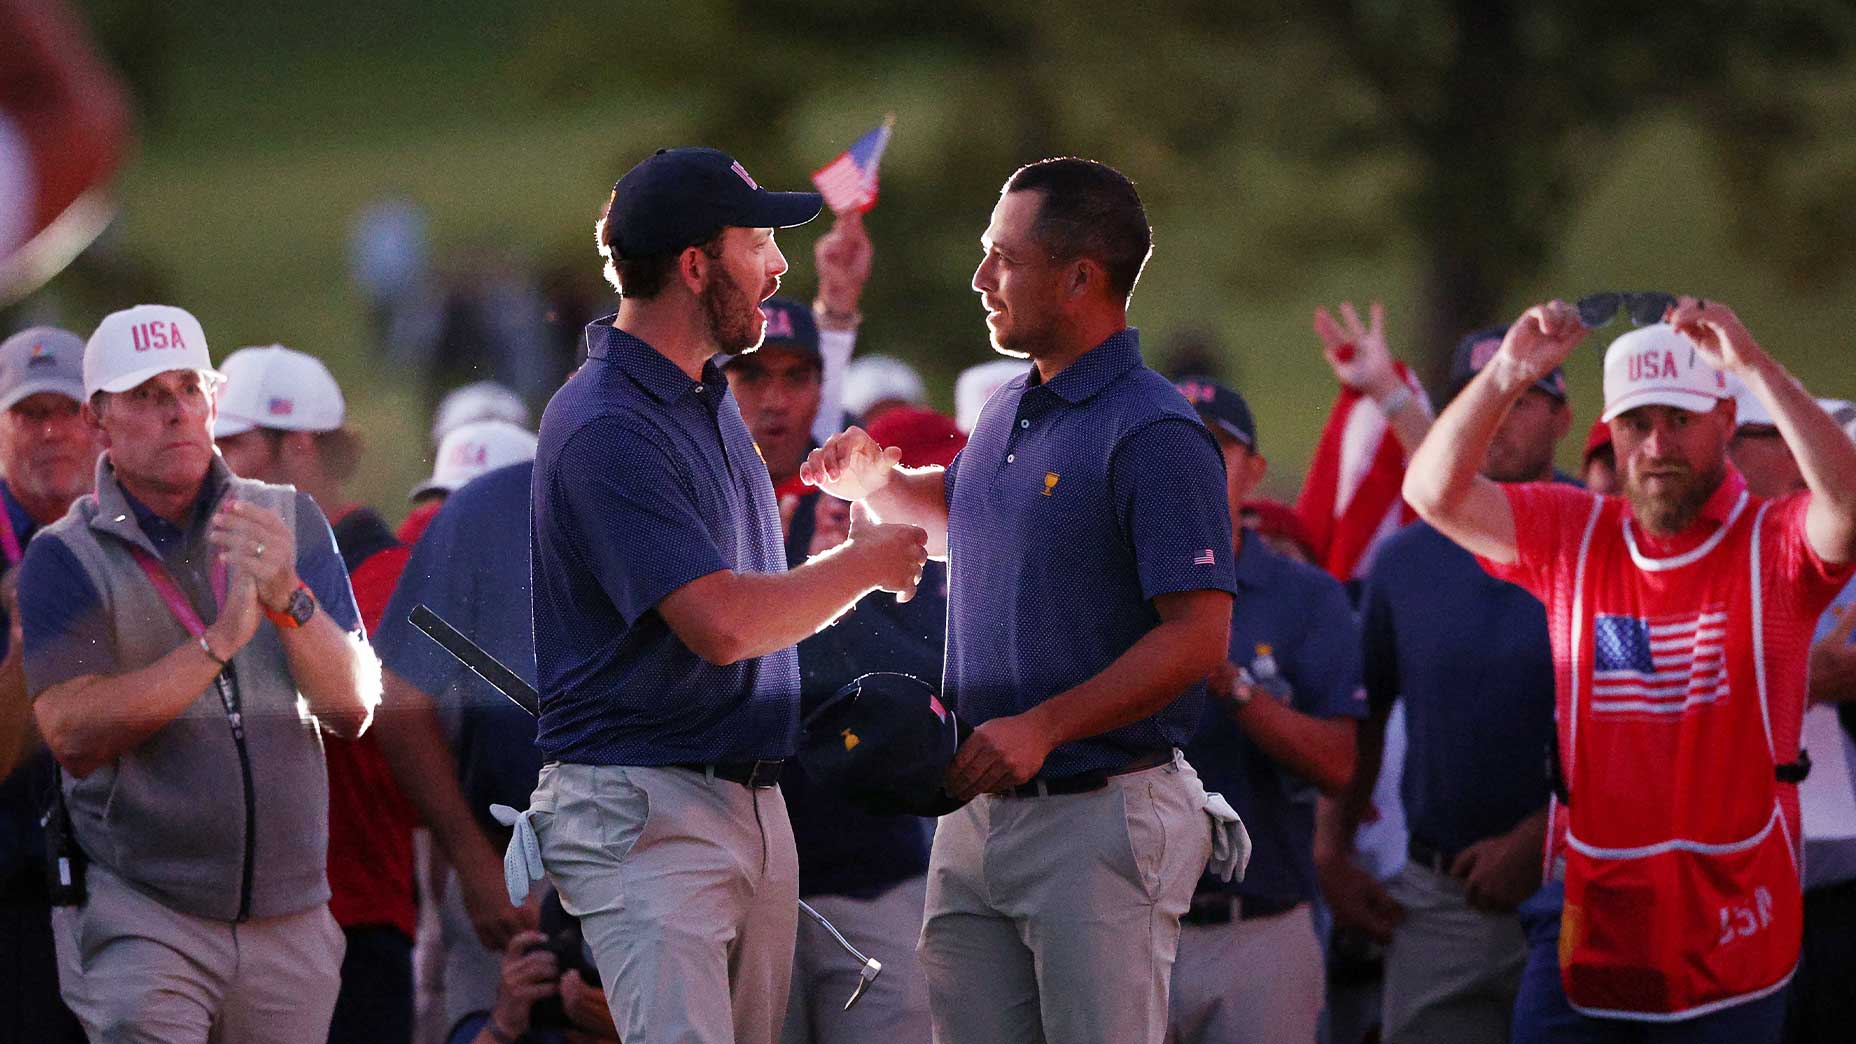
(1656,366)
(278,388)
(473,450)
(137,343)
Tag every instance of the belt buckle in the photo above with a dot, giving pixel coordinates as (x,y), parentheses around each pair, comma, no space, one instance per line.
(763,775)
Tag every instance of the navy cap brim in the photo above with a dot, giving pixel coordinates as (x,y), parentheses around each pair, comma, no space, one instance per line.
(782,209)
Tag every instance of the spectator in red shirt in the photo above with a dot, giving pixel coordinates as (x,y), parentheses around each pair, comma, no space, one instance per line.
(1680,614)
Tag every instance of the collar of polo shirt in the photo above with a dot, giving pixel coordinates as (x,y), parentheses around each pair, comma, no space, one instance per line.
(1095,369)
(647,367)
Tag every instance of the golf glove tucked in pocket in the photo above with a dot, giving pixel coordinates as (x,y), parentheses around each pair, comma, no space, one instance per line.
(1230,841)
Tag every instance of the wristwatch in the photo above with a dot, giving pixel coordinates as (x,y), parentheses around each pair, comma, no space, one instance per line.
(296,611)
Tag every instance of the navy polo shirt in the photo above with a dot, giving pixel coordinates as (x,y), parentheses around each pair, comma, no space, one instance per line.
(471,568)
(1073,506)
(1294,631)
(644,481)
(1469,655)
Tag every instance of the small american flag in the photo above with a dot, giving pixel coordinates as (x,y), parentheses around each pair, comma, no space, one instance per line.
(1206,558)
(848,183)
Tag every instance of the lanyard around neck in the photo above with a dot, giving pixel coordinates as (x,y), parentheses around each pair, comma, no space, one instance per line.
(172,596)
(9,538)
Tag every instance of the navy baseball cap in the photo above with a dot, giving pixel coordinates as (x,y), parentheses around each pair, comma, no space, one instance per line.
(679,197)
(1474,352)
(1221,408)
(884,742)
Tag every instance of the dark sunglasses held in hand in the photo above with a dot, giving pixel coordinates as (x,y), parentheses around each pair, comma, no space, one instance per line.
(1643,307)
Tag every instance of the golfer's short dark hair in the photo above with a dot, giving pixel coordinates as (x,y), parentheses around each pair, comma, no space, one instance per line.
(642,278)
(1091,210)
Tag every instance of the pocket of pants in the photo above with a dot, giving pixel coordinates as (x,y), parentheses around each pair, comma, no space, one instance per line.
(1145,829)
(622,808)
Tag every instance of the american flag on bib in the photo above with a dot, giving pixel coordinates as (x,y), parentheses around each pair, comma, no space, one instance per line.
(1658,665)
(848,183)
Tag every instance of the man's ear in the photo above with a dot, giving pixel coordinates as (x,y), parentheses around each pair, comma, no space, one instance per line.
(1562,420)
(1082,275)
(693,269)
(94,421)
(1259,466)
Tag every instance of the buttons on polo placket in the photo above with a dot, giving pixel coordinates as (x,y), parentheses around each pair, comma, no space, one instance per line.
(1010,457)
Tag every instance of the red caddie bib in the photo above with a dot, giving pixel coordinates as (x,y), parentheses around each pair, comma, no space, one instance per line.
(1682,864)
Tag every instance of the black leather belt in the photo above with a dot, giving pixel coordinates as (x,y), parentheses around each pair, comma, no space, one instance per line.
(756,775)
(1223,908)
(1088,781)
(1430,856)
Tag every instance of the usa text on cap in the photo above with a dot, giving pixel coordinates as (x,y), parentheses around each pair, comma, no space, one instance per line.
(1656,366)
(138,343)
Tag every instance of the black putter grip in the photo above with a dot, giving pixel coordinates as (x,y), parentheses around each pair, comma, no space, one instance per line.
(472,655)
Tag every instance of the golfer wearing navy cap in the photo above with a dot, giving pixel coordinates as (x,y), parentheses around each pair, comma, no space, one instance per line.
(669,684)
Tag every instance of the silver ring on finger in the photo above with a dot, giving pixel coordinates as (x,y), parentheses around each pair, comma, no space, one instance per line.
(257,551)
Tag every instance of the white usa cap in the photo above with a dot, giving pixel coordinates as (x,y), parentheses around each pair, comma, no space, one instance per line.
(473,450)
(1656,366)
(137,343)
(976,384)
(477,401)
(278,388)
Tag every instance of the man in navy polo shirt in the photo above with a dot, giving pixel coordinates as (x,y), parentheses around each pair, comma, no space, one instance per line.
(1089,594)
(1279,728)
(665,618)
(1469,656)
